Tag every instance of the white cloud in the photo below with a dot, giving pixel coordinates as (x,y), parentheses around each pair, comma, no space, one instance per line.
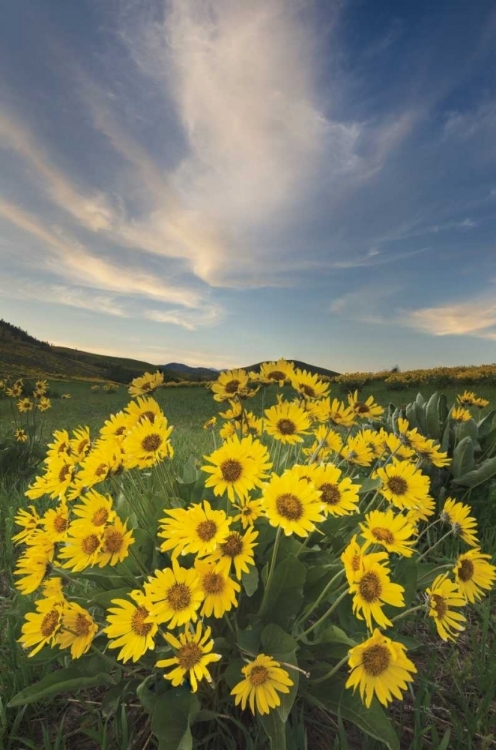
(475,317)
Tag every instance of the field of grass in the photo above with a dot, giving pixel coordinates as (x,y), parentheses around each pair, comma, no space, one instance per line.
(452,705)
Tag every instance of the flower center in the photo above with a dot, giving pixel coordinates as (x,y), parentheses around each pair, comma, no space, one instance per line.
(231,470)
(151,443)
(60,524)
(258,675)
(276,375)
(376,659)
(120,430)
(82,625)
(90,544)
(100,517)
(189,655)
(382,535)
(286,427)
(50,623)
(288,506)
(330,493)
(397,485)
(114,541)
(233,546)
(63,473)
(206,530)
(307,390)
(213,583)
(466,570)
(361,408)
(370,587)
(102,470)
(138,624)
(232,386)
(355,563)
(178,596)
(439,605)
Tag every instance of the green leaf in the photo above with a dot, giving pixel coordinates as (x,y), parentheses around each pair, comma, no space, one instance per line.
(249,640)
(286,592)
(114,695)
(61,681)
(172,716)
(249,581)
(432,420)
(463,457)
(412,416)
(334,697)
(420,400)
(332,634)
(104,598)
(233,673)
(485,426)
(190,471)
(468,429)
(486,471)
(369,485)
(275,729)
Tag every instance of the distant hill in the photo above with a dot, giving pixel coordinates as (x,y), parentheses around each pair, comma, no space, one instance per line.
(193,373)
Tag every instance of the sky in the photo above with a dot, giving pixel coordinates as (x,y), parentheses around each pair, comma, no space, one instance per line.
(221,182)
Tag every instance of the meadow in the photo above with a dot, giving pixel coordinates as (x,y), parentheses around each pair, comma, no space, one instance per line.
(452,703)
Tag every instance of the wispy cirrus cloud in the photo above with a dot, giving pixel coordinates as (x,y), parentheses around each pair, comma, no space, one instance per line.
(474,317)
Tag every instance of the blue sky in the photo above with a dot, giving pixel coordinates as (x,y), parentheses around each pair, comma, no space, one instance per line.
(220,182)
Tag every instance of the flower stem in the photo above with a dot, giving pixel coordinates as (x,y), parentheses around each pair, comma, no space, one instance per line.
(406,613)
(326,614)
(332,672)
(273,561)
(445,536)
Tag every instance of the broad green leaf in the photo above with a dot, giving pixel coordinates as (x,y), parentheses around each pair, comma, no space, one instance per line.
(105,598)
(332,634)
(190,471)
(61,681)
(463,457)
(249,640)
(405,573)
(233,673)
(249,581)
(172,716)
(369,485)
(432,420)
(420,416)
(420,400)
(486,471)
(485,426)
(286,591)
(275,730)
(333,696)
(411,415)
(467,429)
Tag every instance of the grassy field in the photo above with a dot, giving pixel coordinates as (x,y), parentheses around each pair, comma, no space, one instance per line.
(453,704)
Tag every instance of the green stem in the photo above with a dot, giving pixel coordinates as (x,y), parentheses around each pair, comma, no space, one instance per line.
(332,672)
(273,561)
(407,612)
(445,536)
(326,614)
(314,606)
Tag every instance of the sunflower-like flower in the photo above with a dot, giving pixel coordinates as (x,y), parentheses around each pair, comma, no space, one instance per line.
(236,550)
(293,504)
(175,595)
(442,597)
(365,409)
(249,511)
(24,405)
(193,656)
(82,548)
(146,383)
(429,450)
(93,512)
(276,372)
(61,444)
(467,398)
(239,466)
(105,459)
(393,532)
(15,391)
(44,404)
(378,443)
(380,667)
(326,441)
(147,443)
(372,588)
(459,414)
(481,403)
(117,539)
(132,626)
(395,445)
(308,385)
(56,522)
(402,484)
(287,423)
(219,591)
(197,530)
(229,384)
(28,520)
(337,413)
(356,451)
(41,628)
(462,523)
(80,443)
(77,631)
(56,481)
(33,564)
(263,679)
(21,436)
(339,496)
(144,408)
(474,574)
(116,427)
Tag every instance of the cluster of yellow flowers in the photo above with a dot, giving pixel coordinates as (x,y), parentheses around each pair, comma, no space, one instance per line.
(25,405)
(413,378)
(296,469)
